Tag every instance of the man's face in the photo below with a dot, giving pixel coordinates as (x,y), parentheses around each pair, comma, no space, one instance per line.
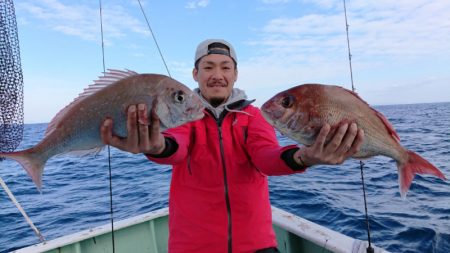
(215,75)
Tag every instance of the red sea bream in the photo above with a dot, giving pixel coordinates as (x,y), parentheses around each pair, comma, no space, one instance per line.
(301,111)
(76,128)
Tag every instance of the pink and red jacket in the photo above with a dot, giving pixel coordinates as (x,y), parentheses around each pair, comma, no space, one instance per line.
(219,196)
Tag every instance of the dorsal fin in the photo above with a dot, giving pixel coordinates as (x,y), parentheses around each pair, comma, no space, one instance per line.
(109,77)
(388,125)
(385,121)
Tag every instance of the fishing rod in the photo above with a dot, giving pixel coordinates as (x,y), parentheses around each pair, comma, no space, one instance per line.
(22,211)
(361,164)
(111,207)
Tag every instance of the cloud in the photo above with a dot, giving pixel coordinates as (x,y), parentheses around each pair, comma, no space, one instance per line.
(275,1)
(324,4)
(409,29)
(386,39)
(379,31)
(197,4)
(82,20)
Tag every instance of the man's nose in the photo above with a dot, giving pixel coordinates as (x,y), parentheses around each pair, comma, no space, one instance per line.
(217,74)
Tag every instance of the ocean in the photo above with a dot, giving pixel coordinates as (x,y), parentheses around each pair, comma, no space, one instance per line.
(75,193)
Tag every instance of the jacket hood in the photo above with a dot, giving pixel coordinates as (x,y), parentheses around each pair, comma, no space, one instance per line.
(236,101)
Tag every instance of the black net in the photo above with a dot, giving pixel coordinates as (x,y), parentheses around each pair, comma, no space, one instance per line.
(11,80)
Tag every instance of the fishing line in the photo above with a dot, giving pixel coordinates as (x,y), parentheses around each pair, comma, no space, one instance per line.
(324,246)
(104,71)
(361,164)
(111,209)
(154,38)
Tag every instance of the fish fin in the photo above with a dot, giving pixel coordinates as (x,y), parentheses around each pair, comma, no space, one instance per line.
(31,163)
(388,125)
(80,153)
(385,121)
(415,164)
(109,77)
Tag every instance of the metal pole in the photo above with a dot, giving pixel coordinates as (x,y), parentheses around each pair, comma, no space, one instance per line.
(22,211)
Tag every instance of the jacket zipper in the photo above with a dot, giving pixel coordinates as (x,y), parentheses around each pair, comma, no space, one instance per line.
(225,181)
(238,105)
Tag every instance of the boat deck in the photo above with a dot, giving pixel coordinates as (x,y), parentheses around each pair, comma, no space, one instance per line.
(148,233)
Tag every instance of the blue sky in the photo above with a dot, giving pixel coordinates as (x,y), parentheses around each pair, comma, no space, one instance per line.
(400,49)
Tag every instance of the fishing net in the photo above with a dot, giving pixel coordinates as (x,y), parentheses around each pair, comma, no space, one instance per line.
(11,80)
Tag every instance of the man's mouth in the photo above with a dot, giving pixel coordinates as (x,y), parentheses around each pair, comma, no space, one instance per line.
(217,85)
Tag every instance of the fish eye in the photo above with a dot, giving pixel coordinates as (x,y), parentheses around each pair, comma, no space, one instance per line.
(179,96)
(288,101)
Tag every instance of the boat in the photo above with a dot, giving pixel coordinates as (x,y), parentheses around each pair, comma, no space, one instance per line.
(148,233)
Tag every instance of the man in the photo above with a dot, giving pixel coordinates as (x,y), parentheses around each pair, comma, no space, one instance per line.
(219,198)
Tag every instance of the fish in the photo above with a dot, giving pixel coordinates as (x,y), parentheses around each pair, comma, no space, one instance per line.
(300,112)
(76,128)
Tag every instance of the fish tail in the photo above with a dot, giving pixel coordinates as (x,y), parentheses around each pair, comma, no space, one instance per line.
(415,164)
(32,163)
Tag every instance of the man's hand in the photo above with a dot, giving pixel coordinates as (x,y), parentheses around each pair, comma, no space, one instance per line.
(346,142)
(142,136)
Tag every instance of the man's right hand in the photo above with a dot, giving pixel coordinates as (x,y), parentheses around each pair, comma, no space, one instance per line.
(343,144)
(143,136)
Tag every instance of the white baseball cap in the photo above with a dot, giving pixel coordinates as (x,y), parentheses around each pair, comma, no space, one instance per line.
(215,46)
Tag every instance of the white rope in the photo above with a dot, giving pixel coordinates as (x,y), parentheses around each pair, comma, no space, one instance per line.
(14,200)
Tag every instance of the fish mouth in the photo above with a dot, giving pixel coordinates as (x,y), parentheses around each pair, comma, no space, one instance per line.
(271,113)
(271,110)
(198,116)
(194,111)
(267,116)
(274,122)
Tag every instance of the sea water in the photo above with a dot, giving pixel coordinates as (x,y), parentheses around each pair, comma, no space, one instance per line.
(75,194)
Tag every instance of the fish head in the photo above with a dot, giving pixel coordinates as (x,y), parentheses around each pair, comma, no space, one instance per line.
(177,104)
(281,110)
(289,112)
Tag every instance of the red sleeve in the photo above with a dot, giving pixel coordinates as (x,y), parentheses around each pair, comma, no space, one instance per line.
(263,147)
(181,135)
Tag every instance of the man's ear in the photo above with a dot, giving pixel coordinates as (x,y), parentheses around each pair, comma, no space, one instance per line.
(235,79)
(194,74)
